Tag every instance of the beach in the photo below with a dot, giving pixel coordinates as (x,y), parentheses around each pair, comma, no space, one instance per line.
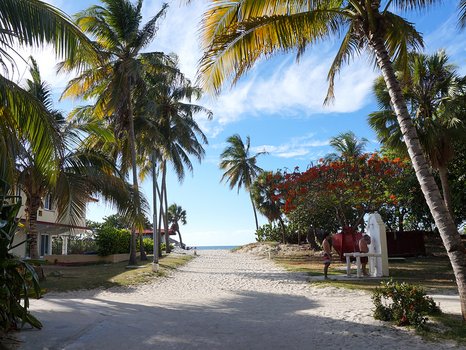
(219,300)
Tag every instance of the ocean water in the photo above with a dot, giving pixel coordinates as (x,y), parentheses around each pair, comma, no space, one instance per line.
(214,247)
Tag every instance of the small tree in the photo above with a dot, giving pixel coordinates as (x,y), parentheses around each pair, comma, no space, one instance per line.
(177,214)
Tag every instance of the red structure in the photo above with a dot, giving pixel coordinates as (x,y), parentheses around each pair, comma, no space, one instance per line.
(399,244)
(346,241)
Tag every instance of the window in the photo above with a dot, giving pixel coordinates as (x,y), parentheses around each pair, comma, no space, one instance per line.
(48,202)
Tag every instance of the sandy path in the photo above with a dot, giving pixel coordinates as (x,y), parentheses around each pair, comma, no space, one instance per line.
(220,300)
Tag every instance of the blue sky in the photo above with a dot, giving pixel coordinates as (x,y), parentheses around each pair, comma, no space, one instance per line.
(278,104)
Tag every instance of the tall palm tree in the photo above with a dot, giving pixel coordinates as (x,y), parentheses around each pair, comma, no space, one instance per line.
(81,172)
(31,23)
(177,215)
(237,33)
(240,167)
(118,34)
(347,145)
(82,175)
(166,128)
(435,95)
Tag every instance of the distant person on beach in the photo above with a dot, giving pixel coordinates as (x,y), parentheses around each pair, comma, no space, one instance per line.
(327,252)
(363,248)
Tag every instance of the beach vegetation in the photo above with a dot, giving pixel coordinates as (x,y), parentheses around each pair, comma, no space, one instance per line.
(167,131)
(264,192)
(237,34)
(347,147)
(81,172)
(240,166)
(177,216)
(18,279)
(435,94)
(112,240)
(32,23)
(351,188)
(402,303)
(112,81)
(69,278)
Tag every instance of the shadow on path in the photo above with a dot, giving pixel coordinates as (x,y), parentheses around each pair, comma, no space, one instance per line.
(243,320)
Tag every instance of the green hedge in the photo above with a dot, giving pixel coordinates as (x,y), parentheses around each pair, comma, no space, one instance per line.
(111,240)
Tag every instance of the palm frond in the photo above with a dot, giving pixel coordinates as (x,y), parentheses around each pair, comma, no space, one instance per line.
(232,45)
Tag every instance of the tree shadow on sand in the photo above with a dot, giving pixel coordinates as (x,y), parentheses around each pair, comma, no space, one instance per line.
(241,320)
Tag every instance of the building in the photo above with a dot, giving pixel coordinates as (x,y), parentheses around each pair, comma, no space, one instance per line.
(47,227)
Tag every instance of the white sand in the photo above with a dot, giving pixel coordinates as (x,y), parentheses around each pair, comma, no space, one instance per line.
(220,300)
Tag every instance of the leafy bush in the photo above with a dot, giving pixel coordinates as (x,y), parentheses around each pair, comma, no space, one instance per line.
(148,245)
(403,303)
(273,233)
(17,278)
(111,240)
(269,232)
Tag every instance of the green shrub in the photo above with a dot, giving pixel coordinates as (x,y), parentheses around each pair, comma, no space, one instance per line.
(269,232)
(403,303)
(273,233)
(111,240)
(148,245)
(18,280)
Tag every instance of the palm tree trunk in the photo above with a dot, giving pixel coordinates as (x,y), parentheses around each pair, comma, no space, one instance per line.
(443,220)
(141,247)
(154,215)
(181,241)
(161,215)
(311,239)
(255,212)
(283,229)
(132,254)
(33,207)
(165,216)
(443,173)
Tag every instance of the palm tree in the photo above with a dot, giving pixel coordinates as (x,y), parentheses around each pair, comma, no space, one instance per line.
(238,33)
(240,166)
(117,30)
(31,23)
(81,172)
(347,145)
(435,95)
(177,214)
(263,191)
(167,130)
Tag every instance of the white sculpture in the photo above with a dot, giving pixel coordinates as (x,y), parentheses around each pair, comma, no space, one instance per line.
(378,265)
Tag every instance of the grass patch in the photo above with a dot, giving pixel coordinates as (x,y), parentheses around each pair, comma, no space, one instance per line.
(434,274)
(446,327)
(67,278)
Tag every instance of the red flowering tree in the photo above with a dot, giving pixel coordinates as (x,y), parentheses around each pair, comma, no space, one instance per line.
(351,188)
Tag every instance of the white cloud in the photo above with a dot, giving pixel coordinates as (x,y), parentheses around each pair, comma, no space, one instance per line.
(295,89)
(178,31)
(451,39)
(293,148)
(281,88)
